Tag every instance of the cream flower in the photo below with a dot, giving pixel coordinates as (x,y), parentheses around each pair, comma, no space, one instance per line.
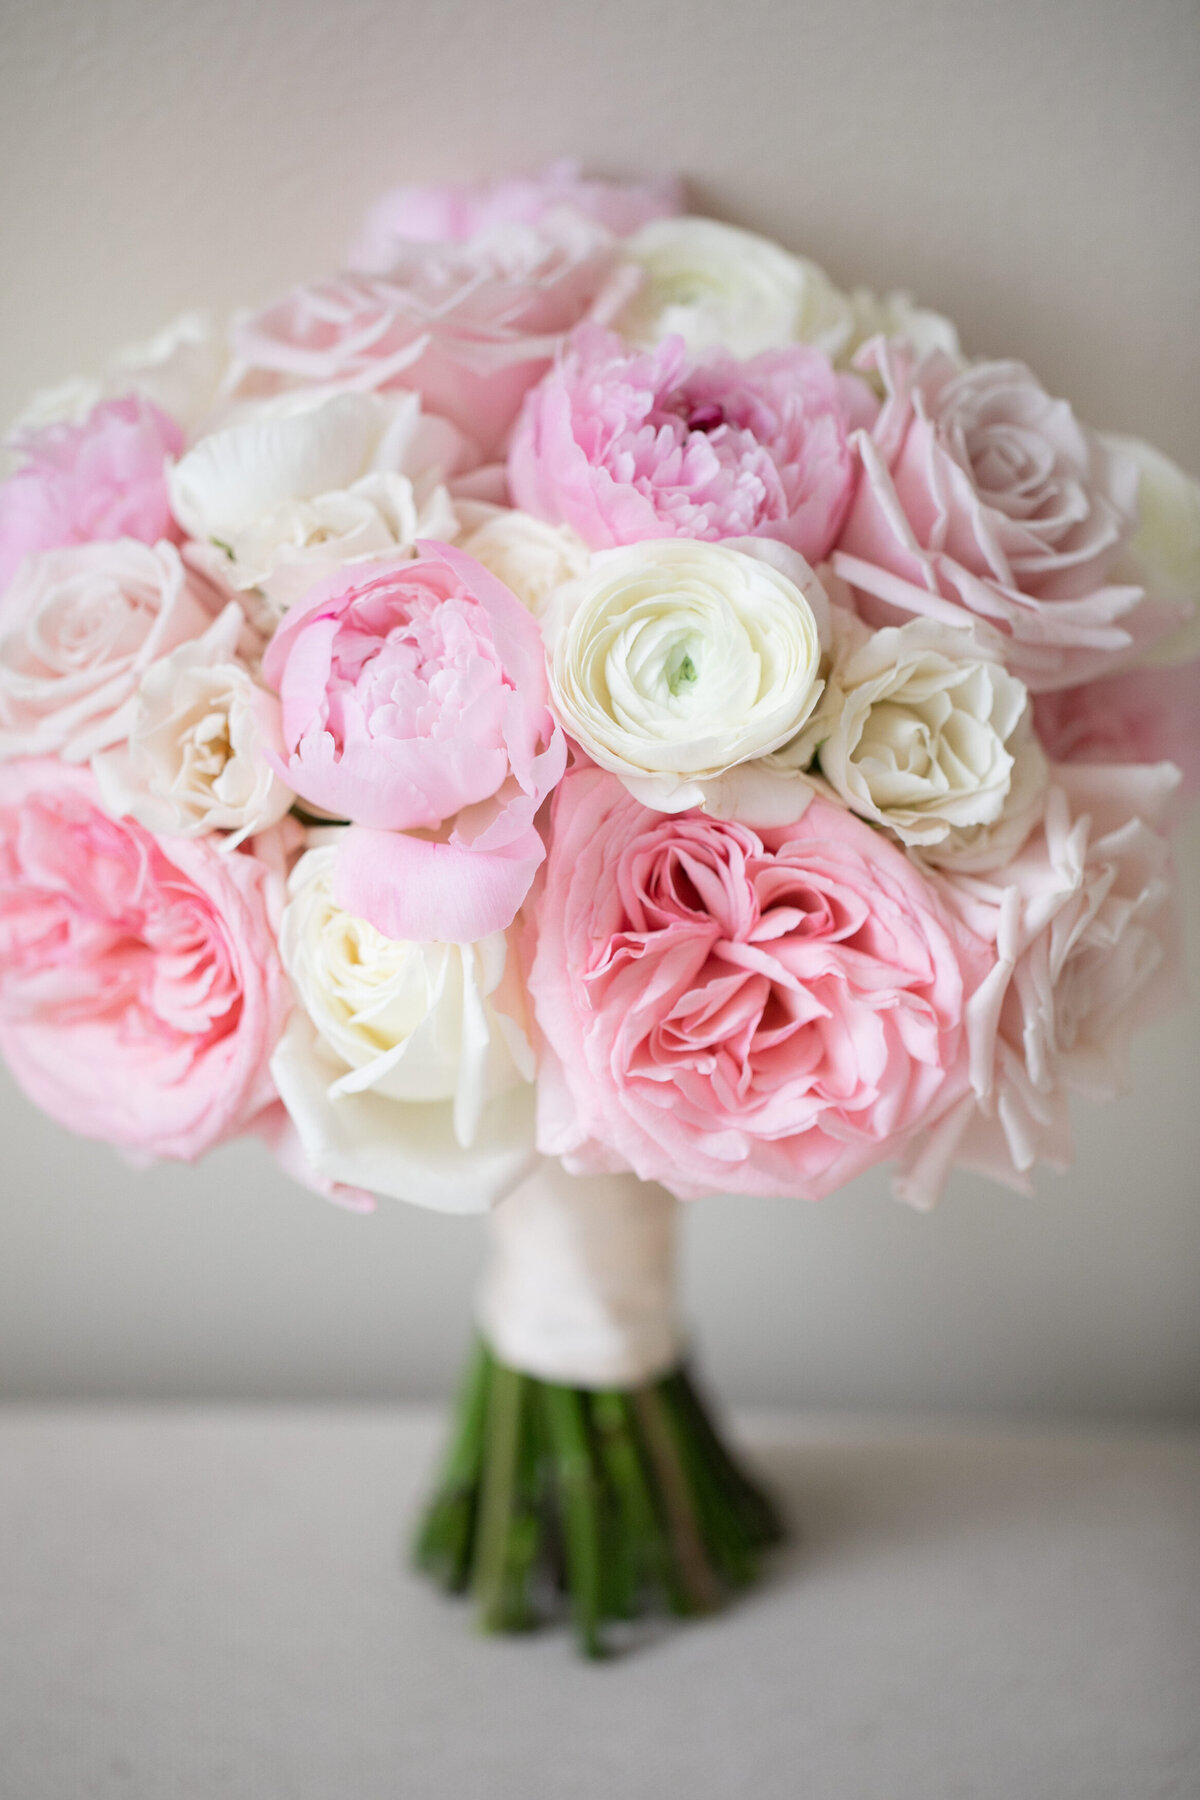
(718,286)
(1163,555)
(293,488)
(530,557)
(897,315)
(916,728)
(195,759)
(406,1067)
(674,660)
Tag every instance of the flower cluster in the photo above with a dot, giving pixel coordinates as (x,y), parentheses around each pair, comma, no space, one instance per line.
(576,683)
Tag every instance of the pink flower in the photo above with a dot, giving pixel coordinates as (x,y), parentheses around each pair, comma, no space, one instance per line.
(980,494)
(101,479)
(467,326)
(450,212)
(141,992)
(624,445)
(414,694)
(732,1011)
(1140,716)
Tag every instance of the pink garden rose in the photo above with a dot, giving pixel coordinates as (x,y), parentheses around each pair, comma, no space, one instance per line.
(467,326)
(1140,716)
(450,212)
(414,695)
(625,445)
(730,1011)
(980,494)
(80,484)
(141,992)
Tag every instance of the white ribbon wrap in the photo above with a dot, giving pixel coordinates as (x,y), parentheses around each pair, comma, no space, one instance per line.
(580,1286)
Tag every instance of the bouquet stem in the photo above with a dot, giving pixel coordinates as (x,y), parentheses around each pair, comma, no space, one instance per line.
(614,1500)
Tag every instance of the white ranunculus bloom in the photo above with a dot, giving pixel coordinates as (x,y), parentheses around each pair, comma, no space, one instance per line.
(674,660)
(295,487)
(406,1068)
(720,287)
(195,762)
(916,729)
(1163,556)
(529,556)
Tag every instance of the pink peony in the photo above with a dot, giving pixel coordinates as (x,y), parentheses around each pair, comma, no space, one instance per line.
(415,692)
(467,326)
(101,479)
(625,445)
(982,495)
(732,1011)
(1140,716)
(141,992)
(450,212)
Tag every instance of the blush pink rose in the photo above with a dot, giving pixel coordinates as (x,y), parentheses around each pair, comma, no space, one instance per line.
(625,445)
(1140,716)
(81,483)
(730,1011)
(141,992)
(982,495)
(414,696)
(450,212)
(467,326)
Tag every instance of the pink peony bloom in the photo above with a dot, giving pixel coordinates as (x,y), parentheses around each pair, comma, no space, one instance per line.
(625,445)
(982,495)
(740,1012)
(450,212)
(103,478)
(1140,716)
(414,694)
(467,326)
(141,992)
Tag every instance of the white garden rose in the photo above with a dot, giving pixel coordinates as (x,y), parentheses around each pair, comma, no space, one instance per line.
(406,1068)
(717,286)
(916,729)
(194,762)
(674,660)
(291,489)
(897,315)
(1163,555)
(529,556)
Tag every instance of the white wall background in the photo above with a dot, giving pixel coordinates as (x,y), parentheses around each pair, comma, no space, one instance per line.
(1030,169)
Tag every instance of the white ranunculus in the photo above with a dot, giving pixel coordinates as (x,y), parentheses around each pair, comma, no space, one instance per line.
(672,661)
(916,729)
(720,287)
(1163,556)
(529,556)
(295,487)
(194,761)
(406,1068)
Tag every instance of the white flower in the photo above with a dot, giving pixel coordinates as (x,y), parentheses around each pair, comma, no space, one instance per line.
(897,315)
(195,762)
(293,488)
(406,1067)
(916,729)
(529,556)
(674,660)
(720,287)
(1163,556)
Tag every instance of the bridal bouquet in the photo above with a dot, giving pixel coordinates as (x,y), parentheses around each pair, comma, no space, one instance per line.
(572,714)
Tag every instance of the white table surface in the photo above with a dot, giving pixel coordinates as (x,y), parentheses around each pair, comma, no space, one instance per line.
(211,1603)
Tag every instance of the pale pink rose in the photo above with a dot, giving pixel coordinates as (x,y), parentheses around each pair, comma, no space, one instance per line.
(467,326)
(78,629)
(449,212)
(1086,937)
(625,445)
(730,1011)
(82,483)
(414,697)
(141,991)
(979,493)
(1140,716)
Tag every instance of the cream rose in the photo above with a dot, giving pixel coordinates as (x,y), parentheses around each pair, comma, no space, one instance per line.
(296,487)
(406,1068)
(195,761)
(717,286)
(674,660)
(916,728)
(1163,555)
(897,315)
(530,557)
